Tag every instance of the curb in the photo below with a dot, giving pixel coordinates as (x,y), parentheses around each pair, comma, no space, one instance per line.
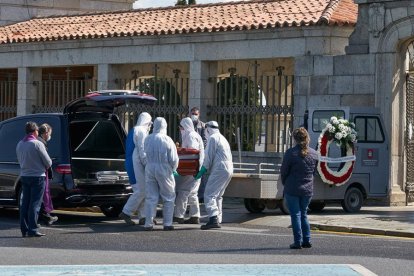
(358,230)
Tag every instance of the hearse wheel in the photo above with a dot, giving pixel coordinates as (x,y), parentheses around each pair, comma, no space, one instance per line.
(353,200)
(111,211)
(254,205)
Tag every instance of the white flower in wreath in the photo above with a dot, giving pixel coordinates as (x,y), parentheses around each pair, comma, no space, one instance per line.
(342,127)
(334,121)
(332,129)
(338,135)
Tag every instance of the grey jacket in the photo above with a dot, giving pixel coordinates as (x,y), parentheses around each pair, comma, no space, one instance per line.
(33,158)
(297,172)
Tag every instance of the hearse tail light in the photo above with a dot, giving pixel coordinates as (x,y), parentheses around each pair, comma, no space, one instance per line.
(64,169)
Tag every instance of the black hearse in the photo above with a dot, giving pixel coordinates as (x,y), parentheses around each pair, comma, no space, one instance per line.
(87,149)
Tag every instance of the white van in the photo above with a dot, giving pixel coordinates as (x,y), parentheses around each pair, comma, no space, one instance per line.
(263,188)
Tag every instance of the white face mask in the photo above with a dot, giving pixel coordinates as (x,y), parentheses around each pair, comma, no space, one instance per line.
(48,138)
(194,118)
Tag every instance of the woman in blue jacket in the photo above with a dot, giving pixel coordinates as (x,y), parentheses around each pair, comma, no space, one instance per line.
(298,168)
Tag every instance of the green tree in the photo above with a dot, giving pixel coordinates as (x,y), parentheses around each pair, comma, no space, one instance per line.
(167,97)
(181,3)
(237,92)
(184,2)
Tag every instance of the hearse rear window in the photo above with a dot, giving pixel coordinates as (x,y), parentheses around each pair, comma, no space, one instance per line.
(95,139)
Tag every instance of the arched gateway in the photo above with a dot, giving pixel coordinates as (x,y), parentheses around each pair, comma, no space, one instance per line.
(394,76)
(378,70)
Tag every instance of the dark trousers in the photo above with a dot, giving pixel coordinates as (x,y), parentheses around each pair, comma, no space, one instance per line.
(32,193)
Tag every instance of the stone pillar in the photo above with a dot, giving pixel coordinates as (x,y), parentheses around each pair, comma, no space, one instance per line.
(106,77)
(389,82)
(201,93)
(27,84)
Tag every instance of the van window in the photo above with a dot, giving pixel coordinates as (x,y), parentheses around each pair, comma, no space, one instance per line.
(369,129)
(95,139)
(321,118)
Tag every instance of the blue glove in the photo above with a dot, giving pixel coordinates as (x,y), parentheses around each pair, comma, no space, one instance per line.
(175,173)
(200,173)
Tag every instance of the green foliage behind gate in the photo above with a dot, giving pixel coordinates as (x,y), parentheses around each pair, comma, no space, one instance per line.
(236,93)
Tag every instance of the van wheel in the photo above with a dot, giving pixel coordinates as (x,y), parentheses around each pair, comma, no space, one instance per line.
(353,200)
(111,211)
(254,205)
(317,206)
(283,207)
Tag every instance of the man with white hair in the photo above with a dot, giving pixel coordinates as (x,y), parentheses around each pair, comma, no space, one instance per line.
(187,186)
(162,163)
(136,202)
(218,161)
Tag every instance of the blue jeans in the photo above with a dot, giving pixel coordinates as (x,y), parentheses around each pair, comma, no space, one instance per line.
(298,206)
(32,194)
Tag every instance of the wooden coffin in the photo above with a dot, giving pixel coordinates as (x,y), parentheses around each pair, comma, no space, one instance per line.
(188,164)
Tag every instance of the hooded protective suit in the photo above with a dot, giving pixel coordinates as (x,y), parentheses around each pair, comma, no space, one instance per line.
(162,161)
(187,186)
(217,161)
(137,200)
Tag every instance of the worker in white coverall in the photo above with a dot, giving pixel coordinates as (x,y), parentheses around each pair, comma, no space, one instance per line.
(186,185)
(218,162)
(136,201)
(162,163)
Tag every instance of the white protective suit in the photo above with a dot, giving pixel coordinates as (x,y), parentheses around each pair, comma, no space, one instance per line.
(136,202)
(162,161)
(219,164)
(187,186)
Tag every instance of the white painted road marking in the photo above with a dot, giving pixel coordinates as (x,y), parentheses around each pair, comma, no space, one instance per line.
(188,269)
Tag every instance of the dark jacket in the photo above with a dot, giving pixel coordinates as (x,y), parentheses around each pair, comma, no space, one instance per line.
(297,172)
(200,127)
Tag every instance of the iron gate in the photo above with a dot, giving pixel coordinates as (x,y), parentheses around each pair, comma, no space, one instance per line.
(53,95)
(8,99)
(255,112)
(172,103)
(409,145)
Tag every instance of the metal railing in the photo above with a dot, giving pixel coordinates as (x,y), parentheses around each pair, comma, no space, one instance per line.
(53,95)
(172,103)
(254,168)
(261,107)
(8,99)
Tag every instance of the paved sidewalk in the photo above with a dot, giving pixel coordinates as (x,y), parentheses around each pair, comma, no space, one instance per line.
(388,221)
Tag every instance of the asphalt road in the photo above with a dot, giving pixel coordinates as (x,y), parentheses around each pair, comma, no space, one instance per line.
(93,239)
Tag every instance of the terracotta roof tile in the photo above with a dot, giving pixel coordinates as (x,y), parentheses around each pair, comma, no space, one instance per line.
(218,17)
